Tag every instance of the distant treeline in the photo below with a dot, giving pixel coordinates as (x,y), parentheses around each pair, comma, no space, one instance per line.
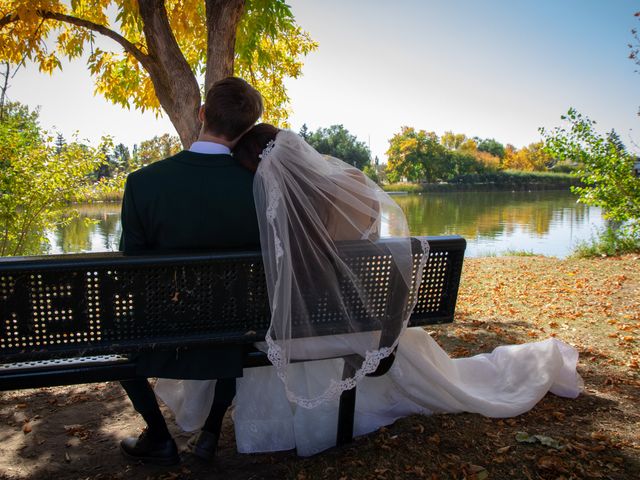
(418,156)
(510,180)
(452,161)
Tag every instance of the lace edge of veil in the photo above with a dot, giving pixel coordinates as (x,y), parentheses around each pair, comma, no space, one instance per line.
(371,361)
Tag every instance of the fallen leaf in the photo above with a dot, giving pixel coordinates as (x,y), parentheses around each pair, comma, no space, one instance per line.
(418,428)
(552,462)
(599,436)
(478,472)
(524,437)
(549,442)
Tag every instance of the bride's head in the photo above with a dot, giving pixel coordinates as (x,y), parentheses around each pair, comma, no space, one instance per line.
(248,149)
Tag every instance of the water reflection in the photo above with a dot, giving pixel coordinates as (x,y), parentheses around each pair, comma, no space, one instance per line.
(97,228)
(549,223)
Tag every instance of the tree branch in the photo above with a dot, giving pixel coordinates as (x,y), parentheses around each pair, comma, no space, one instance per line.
(80,22)
(223,17)
(96,27)
(7,19)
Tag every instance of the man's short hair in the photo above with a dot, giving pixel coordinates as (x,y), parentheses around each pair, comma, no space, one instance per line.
(232,106)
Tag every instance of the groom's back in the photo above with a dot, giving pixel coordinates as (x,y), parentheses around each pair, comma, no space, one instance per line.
(189,201)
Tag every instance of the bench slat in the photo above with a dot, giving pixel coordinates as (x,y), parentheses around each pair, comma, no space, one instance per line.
(71,371)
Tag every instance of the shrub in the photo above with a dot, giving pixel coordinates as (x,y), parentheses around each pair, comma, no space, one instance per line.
(36,180)
(605,168)
(609,243)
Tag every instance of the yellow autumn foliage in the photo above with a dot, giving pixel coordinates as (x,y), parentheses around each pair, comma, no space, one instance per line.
(269,45)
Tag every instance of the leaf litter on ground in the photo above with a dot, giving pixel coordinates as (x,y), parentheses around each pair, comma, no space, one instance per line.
(593,304)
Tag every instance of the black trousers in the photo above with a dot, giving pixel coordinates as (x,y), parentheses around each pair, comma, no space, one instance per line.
(145,403)
(224,362)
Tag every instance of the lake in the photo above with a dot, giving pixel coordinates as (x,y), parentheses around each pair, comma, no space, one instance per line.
(545,222)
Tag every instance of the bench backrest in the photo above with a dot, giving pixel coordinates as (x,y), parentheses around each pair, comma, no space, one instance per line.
(90,304)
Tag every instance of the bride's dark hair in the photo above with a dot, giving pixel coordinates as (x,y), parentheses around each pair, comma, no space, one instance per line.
(247,151)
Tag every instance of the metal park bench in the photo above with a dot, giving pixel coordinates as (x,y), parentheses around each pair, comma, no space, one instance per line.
(76,318)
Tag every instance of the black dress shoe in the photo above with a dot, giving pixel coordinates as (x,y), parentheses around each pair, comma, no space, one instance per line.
(150,450)
(203,445)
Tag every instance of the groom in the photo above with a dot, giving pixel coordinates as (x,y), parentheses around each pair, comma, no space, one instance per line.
(198,199)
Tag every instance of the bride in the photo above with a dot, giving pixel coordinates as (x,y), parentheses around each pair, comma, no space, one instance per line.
(306,202)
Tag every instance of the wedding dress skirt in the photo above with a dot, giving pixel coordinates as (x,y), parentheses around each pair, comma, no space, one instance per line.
(423,380)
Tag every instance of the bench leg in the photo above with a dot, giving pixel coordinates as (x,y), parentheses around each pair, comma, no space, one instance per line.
(346,414)
(346,411)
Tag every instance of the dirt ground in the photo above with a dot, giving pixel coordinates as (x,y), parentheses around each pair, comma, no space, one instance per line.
(73,432)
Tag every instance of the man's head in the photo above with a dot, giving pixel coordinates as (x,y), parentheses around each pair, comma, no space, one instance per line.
(231,108)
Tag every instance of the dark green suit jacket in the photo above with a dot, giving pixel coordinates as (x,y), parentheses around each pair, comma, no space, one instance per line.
(191,201)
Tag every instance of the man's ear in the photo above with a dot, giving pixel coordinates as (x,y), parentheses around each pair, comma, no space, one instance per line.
(201,114)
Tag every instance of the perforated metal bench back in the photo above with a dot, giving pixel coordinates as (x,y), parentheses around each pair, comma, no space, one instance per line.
(109,303)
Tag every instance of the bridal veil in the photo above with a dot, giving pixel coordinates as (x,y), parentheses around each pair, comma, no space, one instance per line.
(310,209)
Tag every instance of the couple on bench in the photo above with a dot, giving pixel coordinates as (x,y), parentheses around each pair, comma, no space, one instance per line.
(242,185)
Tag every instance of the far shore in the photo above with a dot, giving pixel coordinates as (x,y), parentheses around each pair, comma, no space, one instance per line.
(505,181)
(395,189)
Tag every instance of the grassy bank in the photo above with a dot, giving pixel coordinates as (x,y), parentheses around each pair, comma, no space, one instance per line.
(104,190)
(593,304)
(96,197)
(608,243)
(505,180)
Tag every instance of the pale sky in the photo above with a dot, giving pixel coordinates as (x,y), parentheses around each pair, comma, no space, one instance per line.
(494,69)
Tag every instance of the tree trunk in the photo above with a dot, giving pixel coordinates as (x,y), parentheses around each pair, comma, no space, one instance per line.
(3,88)
(174,82)
(223,17)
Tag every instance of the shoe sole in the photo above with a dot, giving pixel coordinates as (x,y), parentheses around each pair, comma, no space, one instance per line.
(154,460)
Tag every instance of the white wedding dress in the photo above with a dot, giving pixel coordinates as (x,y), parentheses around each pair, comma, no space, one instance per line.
(423,380)
(305,203)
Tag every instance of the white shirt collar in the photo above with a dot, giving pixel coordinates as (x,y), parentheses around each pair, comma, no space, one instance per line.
(209,148)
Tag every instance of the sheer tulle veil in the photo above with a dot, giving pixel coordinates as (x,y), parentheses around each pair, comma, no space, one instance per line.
(308,206)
